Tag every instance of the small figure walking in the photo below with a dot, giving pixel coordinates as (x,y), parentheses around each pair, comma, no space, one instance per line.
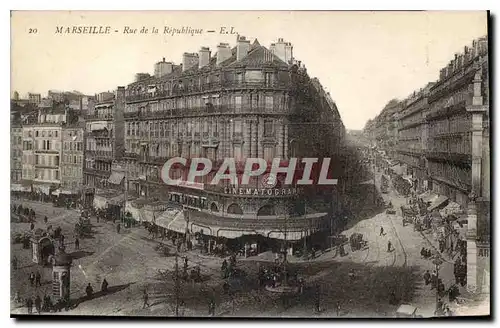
(381,231)
(14,262)
(389,246)
(145,298)
(32,279)
(211,307)
(77,243)
(104,286)
(38,304)
(337,307)
(38,279)
(89,291)
(29,305)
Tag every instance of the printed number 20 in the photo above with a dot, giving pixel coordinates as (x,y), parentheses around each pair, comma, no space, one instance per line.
(32,31)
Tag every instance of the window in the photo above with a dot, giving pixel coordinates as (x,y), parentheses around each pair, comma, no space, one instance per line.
(234,209)
(253,76)
(237,104)
(237,126)
(237,153)
(268,153)
(269,102)
(268,128)
(36,133)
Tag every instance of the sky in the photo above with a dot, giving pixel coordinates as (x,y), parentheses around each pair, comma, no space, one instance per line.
(364,59)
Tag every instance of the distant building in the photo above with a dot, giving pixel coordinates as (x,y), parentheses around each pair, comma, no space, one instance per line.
(104,140)
(43,150)
(34,98)
(16,148)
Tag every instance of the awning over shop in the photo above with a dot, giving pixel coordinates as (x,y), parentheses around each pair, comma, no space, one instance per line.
(438,202)
(116,178)
(44,189)
(58,192)
(289,235)
(451,208)
(20,187)
(100,202)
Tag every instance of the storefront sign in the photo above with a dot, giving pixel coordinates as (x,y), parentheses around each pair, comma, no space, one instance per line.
(262,191)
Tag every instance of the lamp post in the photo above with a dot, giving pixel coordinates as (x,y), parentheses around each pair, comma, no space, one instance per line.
(437,261)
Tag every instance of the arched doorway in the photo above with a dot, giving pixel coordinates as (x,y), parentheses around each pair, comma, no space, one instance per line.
(214,208)
(47,249)
(266,210)
(234,209)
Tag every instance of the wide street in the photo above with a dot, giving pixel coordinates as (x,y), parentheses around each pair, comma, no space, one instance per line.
(130,264)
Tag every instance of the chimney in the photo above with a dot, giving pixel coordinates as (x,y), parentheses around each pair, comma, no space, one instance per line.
(189,60)
(223,52)
(242,48)
(204,57)
(284,50)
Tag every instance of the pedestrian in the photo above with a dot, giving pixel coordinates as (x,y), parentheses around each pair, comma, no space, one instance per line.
(38,304)
(38,279)
(118,227)
(423,252)
(104,286)
(145,298)
(62,239)
(351,275)
(89,291)
(337,308)
(32,279)
(14,262)
(317,299)
(29,305)
(389,246)
(427,277)
(433,279)
(211,307)
(45,219)
(77,243)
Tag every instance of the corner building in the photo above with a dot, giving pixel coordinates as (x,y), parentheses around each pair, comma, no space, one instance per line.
(244,102)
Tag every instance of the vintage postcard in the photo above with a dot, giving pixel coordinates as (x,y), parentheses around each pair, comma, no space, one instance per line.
(239,164)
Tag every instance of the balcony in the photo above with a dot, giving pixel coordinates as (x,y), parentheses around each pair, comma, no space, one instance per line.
(442,156)
(97,117)
(214,86)
(99,154)
(91,171)
(131,155)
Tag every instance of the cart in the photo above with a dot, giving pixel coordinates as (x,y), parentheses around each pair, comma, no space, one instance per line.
(356,241)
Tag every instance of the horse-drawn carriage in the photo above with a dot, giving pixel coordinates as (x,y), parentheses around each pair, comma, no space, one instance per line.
(356,241)
(83,227)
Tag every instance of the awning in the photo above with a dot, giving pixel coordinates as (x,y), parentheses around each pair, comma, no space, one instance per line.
(58,192)
(438,202)
(20,187)
(290,235)
(100,202)
(451,208)
(116,177)
(45,189)
(117,200)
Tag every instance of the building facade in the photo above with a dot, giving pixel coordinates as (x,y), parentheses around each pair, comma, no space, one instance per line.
(34,98)
(43,152)
(104,140)
(244,102)
(72,159)
(16,151)
(444,142)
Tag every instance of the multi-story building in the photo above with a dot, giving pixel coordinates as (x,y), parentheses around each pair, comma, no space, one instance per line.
(444,141)
(34,98)
(16,151)
(72,158)
(459,156)
(43,150)
(244,102)
(104,140)
(412,137)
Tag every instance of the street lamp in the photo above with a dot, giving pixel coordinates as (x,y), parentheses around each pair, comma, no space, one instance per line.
(437,261)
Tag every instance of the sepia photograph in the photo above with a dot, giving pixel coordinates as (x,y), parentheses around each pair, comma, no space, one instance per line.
(250,164)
